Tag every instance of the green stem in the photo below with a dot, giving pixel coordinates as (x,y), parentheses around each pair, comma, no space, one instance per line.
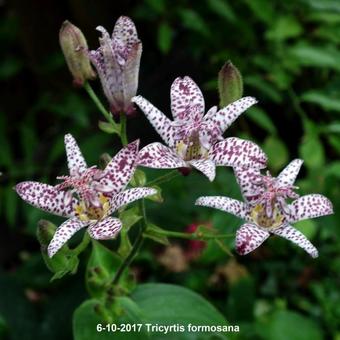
(83,244)
(136,246)
(192,236)
(100,106)
(167,177)
(123,135)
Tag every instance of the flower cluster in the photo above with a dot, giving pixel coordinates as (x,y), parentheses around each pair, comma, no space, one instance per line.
(88,196)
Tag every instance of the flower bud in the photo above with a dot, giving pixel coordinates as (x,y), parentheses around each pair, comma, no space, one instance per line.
(230,84)
(74,47)
(45,232)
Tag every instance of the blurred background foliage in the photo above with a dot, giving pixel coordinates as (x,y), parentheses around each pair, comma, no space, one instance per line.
(288,53)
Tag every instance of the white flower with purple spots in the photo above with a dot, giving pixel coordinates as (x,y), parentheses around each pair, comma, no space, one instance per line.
(88,196)
(266,211)
(194,139)
(117,62)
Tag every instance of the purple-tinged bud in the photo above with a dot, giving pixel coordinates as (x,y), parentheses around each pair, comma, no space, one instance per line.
(117,62)
(230,84)
(74,47)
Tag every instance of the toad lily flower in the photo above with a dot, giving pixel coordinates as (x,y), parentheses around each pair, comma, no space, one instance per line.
(265,210)
(117,62)
(88,196)
(195,140)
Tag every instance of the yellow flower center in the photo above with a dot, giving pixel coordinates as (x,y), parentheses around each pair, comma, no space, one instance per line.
(86,213)
(191,150)
(259,216)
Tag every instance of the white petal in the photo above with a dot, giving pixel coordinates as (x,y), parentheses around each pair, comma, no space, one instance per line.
(157,155)
(294,235)
(75,159)
(288,175)
(121,168)
(247,178)
(249,237)
(206,166)
(226,116)
(47,198)
(227,204)
(309,206)
(105,229)
(63,233)
(186,99)
(128,196)
(238,152)
(161,123)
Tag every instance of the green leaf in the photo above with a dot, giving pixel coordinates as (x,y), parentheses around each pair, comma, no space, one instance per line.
(102,266)
(333,169)
(152,232)
(223,9)
(193,21)
(65,261)
(284,28)
(154,303)
(307,227)
(164,37)
(284,325)
(241,300)
(92,313)
(263,10)
(167,304)
(276,151)
(261,118)
(129,217)
(264,87)
(324,99)
(308,55)
(312,152)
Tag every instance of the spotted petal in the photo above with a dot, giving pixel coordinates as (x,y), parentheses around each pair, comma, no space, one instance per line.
(157,155)
(124,32)
(288,175)
(75,159)
(131,73)
(64,232)
(206,166)
(160,122)
(227,204)
(105,229)
(187,101)
(247,179)
(294,235)
(249,237)
(237,152)
(47,198)
(121,167)
(129,196)
(309,206)
(226,116)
